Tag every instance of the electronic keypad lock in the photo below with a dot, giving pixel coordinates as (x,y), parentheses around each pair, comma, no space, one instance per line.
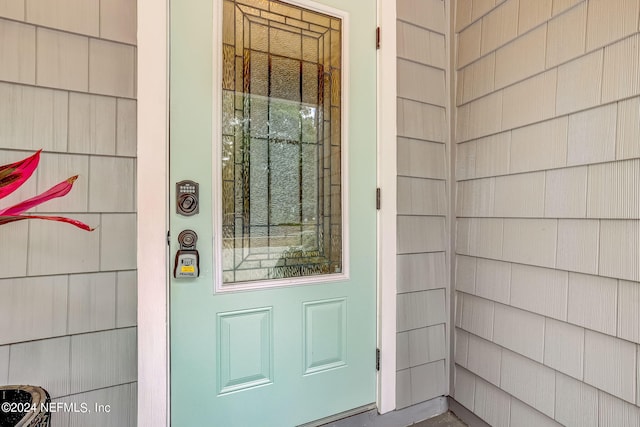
(187,263)
(187,193)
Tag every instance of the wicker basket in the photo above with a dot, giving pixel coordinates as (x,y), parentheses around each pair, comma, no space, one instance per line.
(34,397)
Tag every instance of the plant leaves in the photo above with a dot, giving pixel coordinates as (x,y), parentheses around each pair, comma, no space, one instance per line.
(13,218)
(13,175)
(57,190)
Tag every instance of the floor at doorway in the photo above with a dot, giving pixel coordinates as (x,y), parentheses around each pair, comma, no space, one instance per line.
(406,417)
(448,419)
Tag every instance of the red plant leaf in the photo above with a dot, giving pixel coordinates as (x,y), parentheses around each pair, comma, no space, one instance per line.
(57,190)
(14,218)
(13,175)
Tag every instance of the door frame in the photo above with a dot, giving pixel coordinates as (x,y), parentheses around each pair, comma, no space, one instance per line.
(387,214)
(153,197)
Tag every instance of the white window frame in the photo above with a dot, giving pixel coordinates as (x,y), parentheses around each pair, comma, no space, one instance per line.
(216,197)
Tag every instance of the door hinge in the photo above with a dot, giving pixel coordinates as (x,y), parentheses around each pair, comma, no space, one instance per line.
(377,198)
(169,238)
(377,359)
(378,38)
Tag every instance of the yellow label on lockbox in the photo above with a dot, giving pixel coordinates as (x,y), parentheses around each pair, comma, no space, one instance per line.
(188,269)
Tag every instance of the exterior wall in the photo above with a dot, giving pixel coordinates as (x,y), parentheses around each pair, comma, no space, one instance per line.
(422,246)
(67,297)
(548,240)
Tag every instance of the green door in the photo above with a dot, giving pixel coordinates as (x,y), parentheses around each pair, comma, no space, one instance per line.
(273,114)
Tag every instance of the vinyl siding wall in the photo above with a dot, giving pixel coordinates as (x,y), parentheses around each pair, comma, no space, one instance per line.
(548,211)
(422,192)
(68,297)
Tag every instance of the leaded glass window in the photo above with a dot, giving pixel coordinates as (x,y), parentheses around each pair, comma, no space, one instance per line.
(281,142)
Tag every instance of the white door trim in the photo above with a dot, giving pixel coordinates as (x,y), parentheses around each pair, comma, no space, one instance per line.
(387,177)
(153,205)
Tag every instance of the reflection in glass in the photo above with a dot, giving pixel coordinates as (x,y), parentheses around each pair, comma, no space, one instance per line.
(281,142)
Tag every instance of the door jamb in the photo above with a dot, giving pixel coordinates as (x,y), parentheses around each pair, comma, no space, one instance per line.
(153,208)
(387,176)
(153,197)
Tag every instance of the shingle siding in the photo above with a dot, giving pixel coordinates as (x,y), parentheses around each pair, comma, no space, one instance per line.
(423,195)
(562,211)
(67,297)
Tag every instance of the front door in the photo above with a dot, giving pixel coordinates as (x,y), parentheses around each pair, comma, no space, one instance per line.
(273,116)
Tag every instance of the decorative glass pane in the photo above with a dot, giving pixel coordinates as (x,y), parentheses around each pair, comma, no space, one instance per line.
(281,142)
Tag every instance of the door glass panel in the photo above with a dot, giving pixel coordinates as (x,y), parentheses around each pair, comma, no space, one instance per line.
(281,142)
